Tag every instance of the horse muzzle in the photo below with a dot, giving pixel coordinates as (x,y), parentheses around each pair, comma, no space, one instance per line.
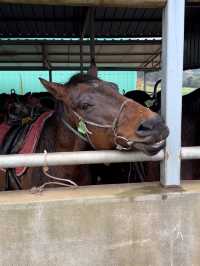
(151,137)
(153,133)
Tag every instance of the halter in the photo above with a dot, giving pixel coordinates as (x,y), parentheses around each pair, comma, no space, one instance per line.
(113,127)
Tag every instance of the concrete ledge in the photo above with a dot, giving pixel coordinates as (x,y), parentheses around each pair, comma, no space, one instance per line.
(115,225)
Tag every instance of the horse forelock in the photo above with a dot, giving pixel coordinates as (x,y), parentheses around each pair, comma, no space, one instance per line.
(81,78)
(86,81)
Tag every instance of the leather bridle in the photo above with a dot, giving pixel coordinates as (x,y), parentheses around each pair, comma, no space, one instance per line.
(112,126)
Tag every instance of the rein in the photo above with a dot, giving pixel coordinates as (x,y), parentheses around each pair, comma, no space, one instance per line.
(113,127)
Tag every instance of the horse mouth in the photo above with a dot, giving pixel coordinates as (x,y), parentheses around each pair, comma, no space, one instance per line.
(150,149)
(146,147)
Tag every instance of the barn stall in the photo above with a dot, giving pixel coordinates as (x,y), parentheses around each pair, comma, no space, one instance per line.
(107,225)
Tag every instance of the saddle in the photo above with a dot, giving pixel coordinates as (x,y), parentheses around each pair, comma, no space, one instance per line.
(20,133)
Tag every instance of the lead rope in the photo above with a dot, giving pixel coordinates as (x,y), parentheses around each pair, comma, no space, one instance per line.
(58,181)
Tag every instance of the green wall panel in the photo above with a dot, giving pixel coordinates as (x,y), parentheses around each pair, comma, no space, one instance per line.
(25,81)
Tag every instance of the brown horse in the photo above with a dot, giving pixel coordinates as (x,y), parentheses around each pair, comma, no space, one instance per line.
(106,120)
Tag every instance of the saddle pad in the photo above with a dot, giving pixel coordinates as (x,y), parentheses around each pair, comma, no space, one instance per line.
(4,128)
(32,138)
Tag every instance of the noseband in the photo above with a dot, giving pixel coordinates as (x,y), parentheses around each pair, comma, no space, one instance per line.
(113,127)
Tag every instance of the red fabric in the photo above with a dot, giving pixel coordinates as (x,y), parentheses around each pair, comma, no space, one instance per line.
(4,128)
(32,138)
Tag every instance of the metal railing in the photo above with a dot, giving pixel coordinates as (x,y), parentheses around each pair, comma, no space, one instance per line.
(88,157)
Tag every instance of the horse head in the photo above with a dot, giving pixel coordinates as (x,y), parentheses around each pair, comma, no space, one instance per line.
(106,118)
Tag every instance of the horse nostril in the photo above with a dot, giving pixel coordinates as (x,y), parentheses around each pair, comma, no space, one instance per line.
(144,127)
(148,126)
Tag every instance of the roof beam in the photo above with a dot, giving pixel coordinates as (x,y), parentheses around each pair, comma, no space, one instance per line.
(85,23)
(35,68)
(152,58)
(63,34)
(76,20)
(74,54)
(84,28)
(77,42)
(73,62)
(45,61)
(92,35)
(115,3)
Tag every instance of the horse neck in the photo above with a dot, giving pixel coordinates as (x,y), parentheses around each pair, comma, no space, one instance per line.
(56,138)
(66,140)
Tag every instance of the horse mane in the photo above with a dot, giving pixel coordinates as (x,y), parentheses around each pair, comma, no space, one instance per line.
(80,78)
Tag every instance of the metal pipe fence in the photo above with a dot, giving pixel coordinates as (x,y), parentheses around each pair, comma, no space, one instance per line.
(74,158)
(88,157)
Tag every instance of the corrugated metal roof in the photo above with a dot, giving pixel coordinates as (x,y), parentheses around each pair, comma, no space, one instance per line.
(192,37)
(67,22)
(63,21)
(19,20)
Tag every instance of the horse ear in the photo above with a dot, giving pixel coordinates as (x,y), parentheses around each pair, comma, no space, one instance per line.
(56,89)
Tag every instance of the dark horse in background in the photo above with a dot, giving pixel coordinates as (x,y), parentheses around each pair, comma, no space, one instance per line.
(190,130)
(106,120)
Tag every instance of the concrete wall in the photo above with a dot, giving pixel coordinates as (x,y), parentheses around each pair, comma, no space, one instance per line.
(120,225)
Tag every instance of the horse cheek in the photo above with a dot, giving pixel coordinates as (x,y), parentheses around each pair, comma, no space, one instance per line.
(102,139)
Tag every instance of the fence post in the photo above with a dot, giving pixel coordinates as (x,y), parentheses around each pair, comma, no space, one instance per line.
(172,67)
